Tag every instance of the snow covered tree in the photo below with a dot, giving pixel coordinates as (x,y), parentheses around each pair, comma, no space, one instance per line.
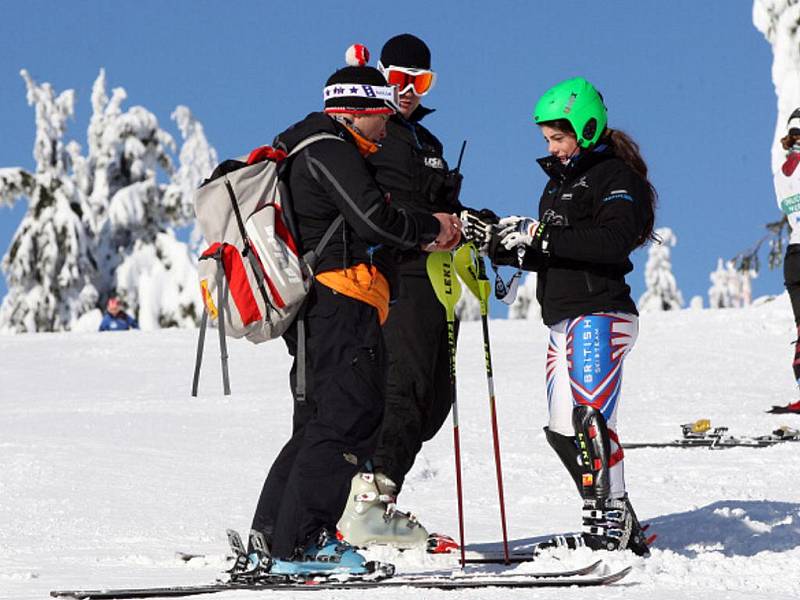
(141,260)
(196,161)
(49,265)
(662,291)
(525,305)
(779,22)
(730,287)
(125,201)
(162,275)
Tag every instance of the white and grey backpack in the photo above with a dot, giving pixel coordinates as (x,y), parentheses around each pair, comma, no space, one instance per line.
(254,277)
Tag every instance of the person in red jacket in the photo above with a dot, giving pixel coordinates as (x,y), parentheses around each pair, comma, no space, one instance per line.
(787,191)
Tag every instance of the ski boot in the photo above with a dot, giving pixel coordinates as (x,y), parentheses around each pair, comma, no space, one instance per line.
(324,556)
(371,515)
(608,524)
(639,542)
(786,433)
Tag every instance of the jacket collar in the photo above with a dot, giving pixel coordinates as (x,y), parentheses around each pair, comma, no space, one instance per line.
(316,122)
(579,164)
(365,146)
(420,113)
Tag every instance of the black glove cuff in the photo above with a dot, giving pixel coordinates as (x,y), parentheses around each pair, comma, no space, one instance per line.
(541,239)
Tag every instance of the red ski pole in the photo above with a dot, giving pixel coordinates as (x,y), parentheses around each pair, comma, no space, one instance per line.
(448,290)
(470,268)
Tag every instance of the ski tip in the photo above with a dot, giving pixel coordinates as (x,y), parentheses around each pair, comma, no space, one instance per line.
(619,575)
(592,567)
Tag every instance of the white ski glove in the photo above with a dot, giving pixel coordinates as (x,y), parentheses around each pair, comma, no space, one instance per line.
(517,231)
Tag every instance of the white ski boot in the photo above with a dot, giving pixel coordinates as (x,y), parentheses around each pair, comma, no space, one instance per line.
(371,516)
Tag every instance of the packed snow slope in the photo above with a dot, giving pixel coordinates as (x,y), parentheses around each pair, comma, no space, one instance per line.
(108,466)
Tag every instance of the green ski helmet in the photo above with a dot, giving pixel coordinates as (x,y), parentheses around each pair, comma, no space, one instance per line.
(577,101)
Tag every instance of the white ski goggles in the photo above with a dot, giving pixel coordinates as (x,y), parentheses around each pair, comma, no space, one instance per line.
(419,81)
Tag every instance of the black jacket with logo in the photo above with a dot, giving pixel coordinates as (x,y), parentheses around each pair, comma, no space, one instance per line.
(598,209)
(329,178)
(410,167)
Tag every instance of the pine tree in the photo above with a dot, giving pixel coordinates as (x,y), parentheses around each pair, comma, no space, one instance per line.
(112,213)
(49,265)
(778,21)
(141,259)
(662,291)
(730,287)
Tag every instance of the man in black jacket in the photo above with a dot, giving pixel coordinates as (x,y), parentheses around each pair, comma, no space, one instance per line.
(410,167)
(335,427)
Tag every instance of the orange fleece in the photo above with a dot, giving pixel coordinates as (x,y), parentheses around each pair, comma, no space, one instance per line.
(361,282)
(365,147)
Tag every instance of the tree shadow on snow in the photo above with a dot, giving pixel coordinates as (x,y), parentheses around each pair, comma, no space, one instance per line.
(732,527)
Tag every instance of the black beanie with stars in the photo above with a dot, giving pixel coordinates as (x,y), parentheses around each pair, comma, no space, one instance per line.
(358,88)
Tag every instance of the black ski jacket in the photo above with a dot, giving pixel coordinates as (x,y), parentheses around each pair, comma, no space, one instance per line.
(597,209)
(410,167)
(329,178)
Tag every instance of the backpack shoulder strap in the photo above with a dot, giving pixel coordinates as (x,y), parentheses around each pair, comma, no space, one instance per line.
(311,139)
(310,258)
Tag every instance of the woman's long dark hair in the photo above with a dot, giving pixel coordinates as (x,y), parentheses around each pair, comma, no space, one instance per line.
(626,149)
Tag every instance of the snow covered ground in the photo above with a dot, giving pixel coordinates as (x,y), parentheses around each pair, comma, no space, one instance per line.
(108,466)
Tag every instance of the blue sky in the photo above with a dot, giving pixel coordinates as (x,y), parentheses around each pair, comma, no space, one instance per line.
(689,80)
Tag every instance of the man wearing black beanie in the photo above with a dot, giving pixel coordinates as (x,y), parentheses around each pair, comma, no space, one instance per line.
(409,166)
(337,422)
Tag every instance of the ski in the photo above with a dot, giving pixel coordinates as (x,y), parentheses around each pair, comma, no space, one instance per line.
(792,408)
(466,581)
(473,558)
(516,559)
(700,435)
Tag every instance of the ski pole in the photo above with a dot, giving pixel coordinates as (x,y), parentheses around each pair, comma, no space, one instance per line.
(469,266)
(440,271)
(201,339)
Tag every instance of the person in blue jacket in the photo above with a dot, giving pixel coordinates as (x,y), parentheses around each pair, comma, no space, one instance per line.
(117,319)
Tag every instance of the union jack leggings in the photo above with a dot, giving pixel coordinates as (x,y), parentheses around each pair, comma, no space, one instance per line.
(584,366)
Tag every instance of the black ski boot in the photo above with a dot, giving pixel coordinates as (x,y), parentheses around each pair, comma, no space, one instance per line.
(608,524)
(639,542)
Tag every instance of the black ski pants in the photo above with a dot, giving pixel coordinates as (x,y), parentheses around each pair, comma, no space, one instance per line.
(335,431)
(418,388)
(791,279)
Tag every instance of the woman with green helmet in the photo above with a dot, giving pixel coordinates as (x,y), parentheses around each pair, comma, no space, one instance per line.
(597,208)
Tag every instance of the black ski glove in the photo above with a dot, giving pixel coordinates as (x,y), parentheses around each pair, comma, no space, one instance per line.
(479,227)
